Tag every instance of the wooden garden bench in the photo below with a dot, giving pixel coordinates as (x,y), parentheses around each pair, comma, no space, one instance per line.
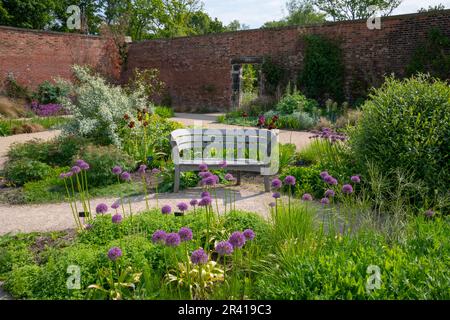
(248,150)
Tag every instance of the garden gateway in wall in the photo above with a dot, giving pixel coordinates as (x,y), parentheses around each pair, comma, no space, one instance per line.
(202,72)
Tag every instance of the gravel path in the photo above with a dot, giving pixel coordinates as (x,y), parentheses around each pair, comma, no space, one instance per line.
(53,217)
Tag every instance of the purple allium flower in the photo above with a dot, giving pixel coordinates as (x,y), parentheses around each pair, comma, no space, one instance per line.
(115,205)
(84,166)
(142,169)
(355,179)
(203,167)
(75,169)
(69,174)
(173,240)
(330,193)
(159,236)
(185,234)
(79,162)
(114,253)
(156,171)
(88,226)
(307,197)
(182,206)
(166,209)
(101,208)
(125,176)
(117,218)
(276,183)
(323,174)
(229,177)
(193,202)
(224,248)
(325,201)
(199,257)
(117,170)
(276,195)
(210,181)
(223,164)
(62,175)
(347,188)
(330,180)
(205,201)
(289,180)
(237,239)
(249,234)
(204,174)
(429,213)
(272,204)
(205,194)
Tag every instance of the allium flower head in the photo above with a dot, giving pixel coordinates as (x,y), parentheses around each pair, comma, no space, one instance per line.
(166,209)
(210,181)
(323,174)
(330,180)
(355,179)
(101,208)
(173,240)
(182,206)
(205,194)
(307,197)
(156,171)
(79,162)
(276,195)
(117,218)
(229,177)
(204,174)
(114,253)
(272,204)
(76,169)
(199,257)
(185,234)
(203,167)
(330,193)
(117,170)
(193,202)
(237,239)
(125,176)
(276,183)
(115,205)
(142,169)
(223,164)
(62,175)
(224,248)
(69,174)
(325,201)
(249,234)
(289,180)
(429,213)
(347,188)
(205,201)
(159,236)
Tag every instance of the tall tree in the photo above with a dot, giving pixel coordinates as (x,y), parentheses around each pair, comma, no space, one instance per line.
(30,14)
(299,13)
(201,23)
(235,25)
(355,9)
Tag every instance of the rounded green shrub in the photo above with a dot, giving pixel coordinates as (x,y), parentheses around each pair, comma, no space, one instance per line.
(406,125)
(21,171)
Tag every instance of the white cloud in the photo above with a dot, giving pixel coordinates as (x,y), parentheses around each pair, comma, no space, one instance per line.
(255,12)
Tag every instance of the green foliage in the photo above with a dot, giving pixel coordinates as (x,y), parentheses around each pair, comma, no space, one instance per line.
(291,102)
(7,126)
(323,72)
(24,170)
(14,89)
(48,92)
(309,180)
(164,112)
(273,75)
(432,56)
(30,14)
(101,160)
(249,78)
(287,154)
(299,13)
(406,125)
(298,121)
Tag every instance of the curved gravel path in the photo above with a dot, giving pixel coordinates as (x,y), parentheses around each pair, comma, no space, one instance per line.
(58,216)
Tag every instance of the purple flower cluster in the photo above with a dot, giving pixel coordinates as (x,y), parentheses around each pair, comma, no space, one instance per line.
(47,110)
(117,170)
(237,239)
(117,218)
(199,257)
(166,209)
(224,248)
(229,177)
(307,197)
(101,208)
(276,183)
(328,134)
(185,234)
(159,236)
(182,206)
(114,253)
(289,181)
(347,189)
(173,239)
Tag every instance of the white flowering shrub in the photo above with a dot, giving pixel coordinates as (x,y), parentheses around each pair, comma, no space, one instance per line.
(98,107)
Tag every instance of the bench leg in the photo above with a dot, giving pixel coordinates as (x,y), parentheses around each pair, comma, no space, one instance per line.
(266,184)
(238,178)
(176,187)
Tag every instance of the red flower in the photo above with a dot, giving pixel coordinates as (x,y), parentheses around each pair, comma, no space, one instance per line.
(131,125)
(126,117)
(244,114)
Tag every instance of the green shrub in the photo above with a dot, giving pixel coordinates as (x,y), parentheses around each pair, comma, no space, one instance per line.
(323,72)
(406,125)
(21,283)
(48,92)
(49,189)
(164,112)
(101,160)
(5,128)
(287,154)
(25,170)
(298,121)
(291,102)
(309,180)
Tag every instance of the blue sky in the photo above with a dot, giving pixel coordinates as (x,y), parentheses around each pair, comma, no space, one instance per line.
(255,12)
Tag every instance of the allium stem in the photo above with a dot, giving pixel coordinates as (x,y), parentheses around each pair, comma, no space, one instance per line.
(120,195)
(75,202)
(74,213)
(144,181)
(87,192)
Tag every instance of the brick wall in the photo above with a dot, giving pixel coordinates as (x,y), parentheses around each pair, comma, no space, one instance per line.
(197,70)
(36,56)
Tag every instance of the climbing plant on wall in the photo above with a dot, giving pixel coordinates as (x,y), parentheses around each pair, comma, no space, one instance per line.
(432,56)
(322,77)
(273,75)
